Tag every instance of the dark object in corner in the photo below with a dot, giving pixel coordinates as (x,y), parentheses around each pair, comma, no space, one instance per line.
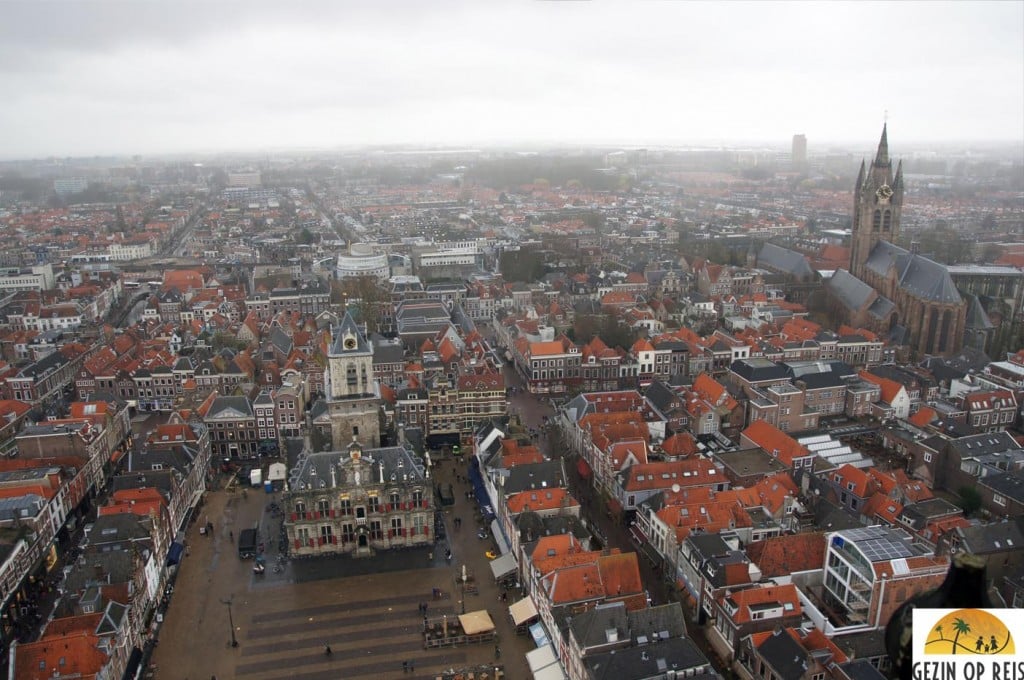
(965,587)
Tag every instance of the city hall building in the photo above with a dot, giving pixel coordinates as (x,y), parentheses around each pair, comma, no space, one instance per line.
(358,502)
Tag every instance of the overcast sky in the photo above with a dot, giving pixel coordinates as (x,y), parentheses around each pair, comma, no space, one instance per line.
(90,77)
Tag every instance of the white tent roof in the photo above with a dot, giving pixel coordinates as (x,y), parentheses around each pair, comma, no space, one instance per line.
(542,657)
(503,566)
(499,538)
(544,665)
(476,622)
(277,471)
(552,672)
(523,611)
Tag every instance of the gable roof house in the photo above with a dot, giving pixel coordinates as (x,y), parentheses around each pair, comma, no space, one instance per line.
(752,610)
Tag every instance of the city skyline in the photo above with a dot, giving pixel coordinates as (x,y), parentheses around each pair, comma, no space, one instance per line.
(104,78)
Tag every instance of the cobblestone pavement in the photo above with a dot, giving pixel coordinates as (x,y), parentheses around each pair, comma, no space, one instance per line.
(282,621)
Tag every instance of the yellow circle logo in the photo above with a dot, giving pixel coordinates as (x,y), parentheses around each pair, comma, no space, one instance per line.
(969,631)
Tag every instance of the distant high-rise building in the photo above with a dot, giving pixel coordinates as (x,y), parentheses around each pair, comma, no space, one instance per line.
(70,185)
(799,155)
(244,180)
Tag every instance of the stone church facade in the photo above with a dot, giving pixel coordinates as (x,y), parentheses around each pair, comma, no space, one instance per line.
(898,293)
(352,401)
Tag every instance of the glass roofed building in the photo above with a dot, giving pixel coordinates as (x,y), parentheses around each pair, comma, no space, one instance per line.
(872,570)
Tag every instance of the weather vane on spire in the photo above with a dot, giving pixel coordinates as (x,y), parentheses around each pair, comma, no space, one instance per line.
(885,116)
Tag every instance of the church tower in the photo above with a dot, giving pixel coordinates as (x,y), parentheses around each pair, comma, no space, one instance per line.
(877,204)
(353,400)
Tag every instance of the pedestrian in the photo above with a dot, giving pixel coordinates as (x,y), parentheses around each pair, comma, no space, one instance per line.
(497,652)
(412,666)
(232,535)
(405,666)
(327,649)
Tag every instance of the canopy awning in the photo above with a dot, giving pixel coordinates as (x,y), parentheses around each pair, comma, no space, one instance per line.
(523,611)
(499,537)
(503,566)
(479,490)
(477,622)
(131,670)
(443,439)
(540,658)
(539,635)
(174,553)
(583,467)
(552,672)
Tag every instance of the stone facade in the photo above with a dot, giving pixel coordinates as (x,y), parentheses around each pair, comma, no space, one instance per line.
(358,502)
(910,295)
(353,402)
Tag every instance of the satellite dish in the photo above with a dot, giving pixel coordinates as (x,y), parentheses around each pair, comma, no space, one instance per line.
(675,488)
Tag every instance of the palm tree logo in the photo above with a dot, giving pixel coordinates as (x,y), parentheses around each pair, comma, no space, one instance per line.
(960,626)
(993,636)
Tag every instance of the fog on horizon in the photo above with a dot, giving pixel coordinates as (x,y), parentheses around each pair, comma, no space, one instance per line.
(109,78)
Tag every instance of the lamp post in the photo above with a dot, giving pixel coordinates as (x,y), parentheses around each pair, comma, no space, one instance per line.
(231,620)
(463,582)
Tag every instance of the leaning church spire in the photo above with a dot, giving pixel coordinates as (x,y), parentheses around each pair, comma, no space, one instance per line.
(882,157)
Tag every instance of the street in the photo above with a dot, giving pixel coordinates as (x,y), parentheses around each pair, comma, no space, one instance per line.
(595,512)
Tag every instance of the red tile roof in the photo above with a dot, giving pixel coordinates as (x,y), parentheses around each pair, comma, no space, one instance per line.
(666,475)
(76,655)
(748,598)
(924,416)
(540,499)
(847,475)
(680,444)
(890,388)
(775,442)
(787,554)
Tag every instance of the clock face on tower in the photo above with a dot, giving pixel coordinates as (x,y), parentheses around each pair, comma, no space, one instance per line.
(884,192)
(350,343)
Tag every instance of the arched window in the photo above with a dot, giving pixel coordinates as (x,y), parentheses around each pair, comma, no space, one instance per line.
(876,221)
(933,331)
(887,220)
(944,334)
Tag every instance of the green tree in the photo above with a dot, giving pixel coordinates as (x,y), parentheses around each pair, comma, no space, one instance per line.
(594,221)
(970,499)
(522,265)
(222,340)
(991,252)
(305,237)
(364,296)
(960,626)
